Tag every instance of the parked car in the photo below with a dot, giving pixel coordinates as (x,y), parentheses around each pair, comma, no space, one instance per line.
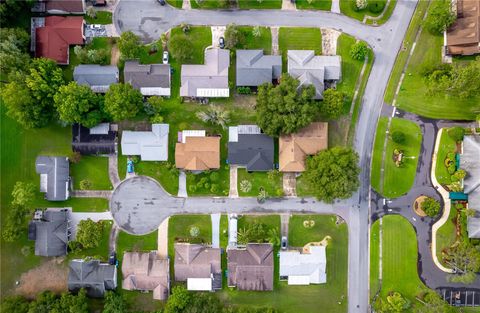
(165,57)
(112,259)
(221,42)
(162,2)
(284,243)
(130,168)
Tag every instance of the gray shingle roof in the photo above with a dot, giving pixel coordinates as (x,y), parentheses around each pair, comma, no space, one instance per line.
(51,233)
(473,227)
(147,75)
(92,275)
(54,177)
(97,77)
(254,151)
(254,68)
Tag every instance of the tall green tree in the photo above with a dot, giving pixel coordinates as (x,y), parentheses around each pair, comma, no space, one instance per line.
(44,303)
(234,37)
(114,303)
(285,108)
(21,106)
(13,50)
(181,48)
(178,300)
(78,104)
(359,51)
(14,304)
(23,193)
(89,233)
(464,258)
(333,173)
(440,17)
(332,105)
(122,101)
(433,304)
(129,45)
(70,303)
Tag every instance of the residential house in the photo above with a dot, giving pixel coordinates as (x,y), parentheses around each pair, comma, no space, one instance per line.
(471,183)
(209,80)
(146,271)
(199,266)
(101,139)
(463,37)
(58,7)
(316,70)
(54,177)
(248,147)
(304,268)
(254,68)
(197,152)
(294,148)
(51,231)
(97,77)
(54,38)
(149,79)
(251,267)
(149,145)
(473,227)
(92,275)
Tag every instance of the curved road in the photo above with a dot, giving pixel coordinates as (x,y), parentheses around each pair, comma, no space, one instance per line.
(148,19)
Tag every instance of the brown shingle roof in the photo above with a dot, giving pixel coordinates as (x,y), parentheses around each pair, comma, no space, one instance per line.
(198,153)
(251,268)
(145,271)
(463,37)
(294,148)
(196,261)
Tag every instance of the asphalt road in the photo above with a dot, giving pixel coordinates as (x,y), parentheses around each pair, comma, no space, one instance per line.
(148,19)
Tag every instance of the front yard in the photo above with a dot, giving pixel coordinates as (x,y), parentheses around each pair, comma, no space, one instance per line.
(255,4)
(374,9)
(325,5)
(93,169)
(257,181)
(101,17)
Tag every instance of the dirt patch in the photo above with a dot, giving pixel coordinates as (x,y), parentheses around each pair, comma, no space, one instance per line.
(417,206)
(115,55)
(51,275)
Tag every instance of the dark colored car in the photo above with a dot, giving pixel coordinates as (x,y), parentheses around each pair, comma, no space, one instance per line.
(284,243)
(162,2)
(112,259)
(221,42)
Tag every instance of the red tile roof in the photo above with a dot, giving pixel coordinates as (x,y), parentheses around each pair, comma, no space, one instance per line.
(67,6)
(54,39)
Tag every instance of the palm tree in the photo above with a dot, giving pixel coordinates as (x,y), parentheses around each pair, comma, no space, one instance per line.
(215,115)
(273,236)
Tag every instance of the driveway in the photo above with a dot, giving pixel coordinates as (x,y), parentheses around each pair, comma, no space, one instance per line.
(182,184)
(215,229)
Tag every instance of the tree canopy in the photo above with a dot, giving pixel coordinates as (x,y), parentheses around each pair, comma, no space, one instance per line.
(332,105)
(114,303)
(440,17)
(333,173)
(89,233)
(464,258)
(13,50)
(283,109)
(129,45)
(234,37)
(78,104)
(181,48)
(23,193)
(359,51)
(122,101)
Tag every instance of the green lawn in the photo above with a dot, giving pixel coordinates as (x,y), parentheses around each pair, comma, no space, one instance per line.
(164,172)
(348,8)
(305,299)
(264,41)
(413,96)
(208,4)
(386,16)
(446,235)
(298,38)
(396,180)
(377,153)
(94,169)
(447,145)
(179,229)
(374,259)
(259,180)
(102,17)
(255,4)
(314,5)
(175,3)
(100,252)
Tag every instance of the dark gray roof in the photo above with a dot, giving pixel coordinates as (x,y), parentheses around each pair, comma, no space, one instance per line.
(97,77)
(54,177)
(254,151)
(473,227)
(51,233)
(147,75)
(85,142)
(254,68)
(92,275)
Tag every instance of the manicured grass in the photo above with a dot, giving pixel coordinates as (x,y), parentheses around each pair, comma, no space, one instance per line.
(306,299)
(175,3)
(255,4)
(446,235)
(260,180)
(77,204)
(264,41)
(102,17)
(374,259)
(208,4)
(270,221)
(447,145)
(304,189)
(93,169)
(413,95)
(164,172)
(348,8)
(397,180)
(325,5)
(298,38)
(386,16)
(402,56)
(377,153)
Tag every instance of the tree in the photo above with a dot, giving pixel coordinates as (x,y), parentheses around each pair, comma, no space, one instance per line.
(359,51)
(14,225)
(23,194)
(456,133)
(397,303)
(114,303)
(181,48)
(256,31)
(333,173)
(464,259)
(430,206)
(129,45)
(85,184)
(91,12)
(178,300)
(332,105)
(284,109)
(44,302)
(10,9)
(215,115)
(398,137)
(89,233)
(273,236)
(122,101)
(153,106)
(78,104)
(14,304)
(13,51)
(433,304)
(245,185)
(71,303)
(440,17)
(234,37)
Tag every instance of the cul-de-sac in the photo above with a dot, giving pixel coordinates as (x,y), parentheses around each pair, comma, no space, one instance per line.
(240,156)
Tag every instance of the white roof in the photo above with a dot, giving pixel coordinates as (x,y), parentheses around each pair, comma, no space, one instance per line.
(213,92)
(304,268)
(151,146)
(234,131)
(192,133)
(199,284)
(100,129)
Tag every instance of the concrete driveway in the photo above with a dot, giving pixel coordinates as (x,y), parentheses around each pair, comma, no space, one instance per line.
(182,184)
(215,229)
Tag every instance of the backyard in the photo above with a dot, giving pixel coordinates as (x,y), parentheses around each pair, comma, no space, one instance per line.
(397,179)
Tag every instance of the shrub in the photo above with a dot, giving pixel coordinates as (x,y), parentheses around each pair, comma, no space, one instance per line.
(192,188)
(194,231)
(398,137)
(376,6)
(451,169)
(74,246)
(75,157)
(460,174)
(214,177)
(206,185)
(244,90)
(273,174)
(214,188)
(279,192)
(359,51)
(135,159)
(360,4)
(456,133)
(451,155)
(245,186)
(85,184)
(455,187)
(430,206)
(454,178)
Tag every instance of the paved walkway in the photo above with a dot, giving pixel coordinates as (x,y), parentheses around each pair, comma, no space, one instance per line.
(233,192)
(215,229)
(288,5)
(113,170)
(274,31)
(182,184)
(163,239)
(186,5)
(91,194)
(335,6)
